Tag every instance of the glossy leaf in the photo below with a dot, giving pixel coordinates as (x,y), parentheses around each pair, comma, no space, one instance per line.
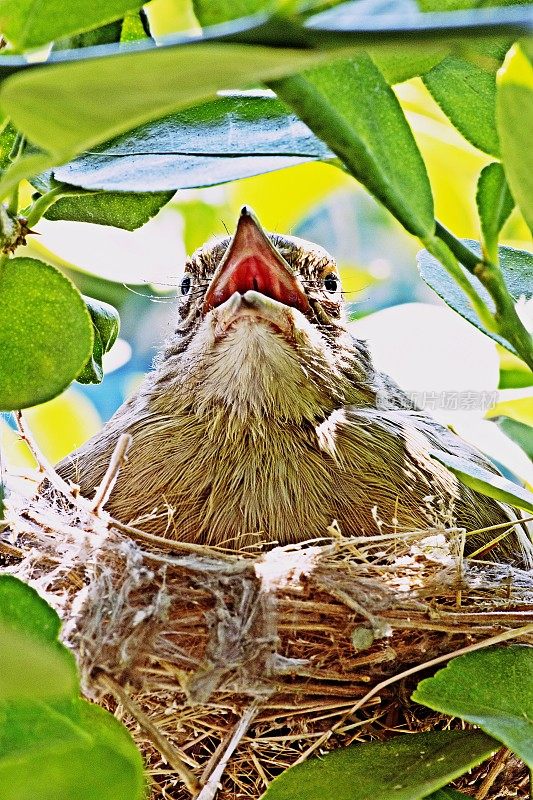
(120,209)
(447,794)
(147,82)
(32,662)
(209,13)
(105,34)
(126,210)
(491,688)
(515,123)
(232,137)
(143,85)
(106,323)
(350,106)
(27,165)
(7,140)
(459,5)
(517,269)
(486,482)
(46,333)
(495,203)
(31,668)
(391,21)
(50,739)
(397,67)
(74,752)
(134,27)
(3,496)
(403,768)
(30,23)
(22,608)
(517,432)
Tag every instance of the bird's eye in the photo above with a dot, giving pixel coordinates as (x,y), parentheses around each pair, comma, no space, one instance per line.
(186,284)
(331,282)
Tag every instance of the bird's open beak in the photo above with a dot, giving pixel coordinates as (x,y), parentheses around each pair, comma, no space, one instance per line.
(251,262)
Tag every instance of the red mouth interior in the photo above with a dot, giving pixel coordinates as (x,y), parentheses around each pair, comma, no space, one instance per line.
(251,262)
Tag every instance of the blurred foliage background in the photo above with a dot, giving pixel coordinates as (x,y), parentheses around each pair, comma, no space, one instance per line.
(452,369)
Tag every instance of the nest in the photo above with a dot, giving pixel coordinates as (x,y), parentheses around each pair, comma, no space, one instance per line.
(230,667)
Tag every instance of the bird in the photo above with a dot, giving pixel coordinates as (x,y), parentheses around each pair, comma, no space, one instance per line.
(263,420)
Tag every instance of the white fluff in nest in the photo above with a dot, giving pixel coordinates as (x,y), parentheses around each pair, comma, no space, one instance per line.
(283,566)
(435,548)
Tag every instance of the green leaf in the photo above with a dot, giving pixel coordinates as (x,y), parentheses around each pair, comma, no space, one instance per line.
(404,768)
(209,13)
(466,92)
(28,164)
(459,5)
(397,67)
(30,23)
(147,82)
(517,432)
(3,496)
(20,735)
(79,752)
(517,269)
(32,662)
(447,794)
(22,608)
(200,221)
(485,482)
(119,209)
(7,140)
(143,85)
(106,322)
(350,106)
(232,137)
(494,203)
(126,210)
(32,668)
(514,114)
(46,334)
(134,27)
(50,739)
(106,34)
(492,688)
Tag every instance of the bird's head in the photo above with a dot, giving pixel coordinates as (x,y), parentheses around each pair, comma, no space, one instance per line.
(262,330)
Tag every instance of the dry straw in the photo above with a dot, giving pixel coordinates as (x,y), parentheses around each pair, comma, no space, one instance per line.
(229,667)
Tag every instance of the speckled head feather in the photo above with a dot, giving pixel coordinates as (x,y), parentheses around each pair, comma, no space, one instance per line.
(264,420)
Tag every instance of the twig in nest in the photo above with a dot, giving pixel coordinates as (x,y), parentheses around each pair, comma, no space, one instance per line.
(497,766)
(171,544)
(211,786)
(501,637)
(168,752)
(499,526)
(103,492)
(45,467)
(118,459)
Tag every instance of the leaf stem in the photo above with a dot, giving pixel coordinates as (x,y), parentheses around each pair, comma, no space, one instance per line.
(508,323)
(40,206)
(440,249)
(14,155)
(468,258)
